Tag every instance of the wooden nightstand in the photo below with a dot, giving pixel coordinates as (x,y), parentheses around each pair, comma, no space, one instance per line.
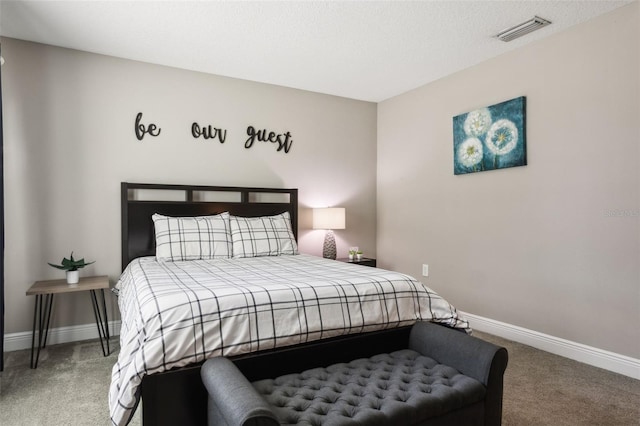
(365,261)
(42,311)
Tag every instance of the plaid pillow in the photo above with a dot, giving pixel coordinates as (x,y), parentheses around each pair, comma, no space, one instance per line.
(262,236)
(192,238)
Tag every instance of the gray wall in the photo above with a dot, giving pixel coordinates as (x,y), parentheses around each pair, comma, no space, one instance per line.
(69,142)
(533,246)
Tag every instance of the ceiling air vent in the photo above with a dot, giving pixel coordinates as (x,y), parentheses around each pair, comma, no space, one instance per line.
(522,29)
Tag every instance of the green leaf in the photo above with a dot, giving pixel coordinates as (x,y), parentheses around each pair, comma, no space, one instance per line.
(71,264)
(57,266)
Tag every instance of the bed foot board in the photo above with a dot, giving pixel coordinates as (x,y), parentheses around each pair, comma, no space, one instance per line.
(179,397)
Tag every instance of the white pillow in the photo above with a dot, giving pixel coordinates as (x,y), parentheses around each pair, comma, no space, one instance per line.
(192,238)
(262,236)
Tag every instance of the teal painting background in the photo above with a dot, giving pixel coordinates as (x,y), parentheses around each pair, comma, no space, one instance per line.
(493,139)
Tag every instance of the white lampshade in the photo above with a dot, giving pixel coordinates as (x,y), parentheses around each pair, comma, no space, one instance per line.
(329,218)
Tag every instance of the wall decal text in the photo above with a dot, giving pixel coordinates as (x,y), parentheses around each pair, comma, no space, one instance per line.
(141,129)
(283,140)
(208,132)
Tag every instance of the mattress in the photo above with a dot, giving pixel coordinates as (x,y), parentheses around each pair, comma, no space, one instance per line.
(179,313)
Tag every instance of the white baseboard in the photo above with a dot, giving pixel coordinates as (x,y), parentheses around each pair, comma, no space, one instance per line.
(22,340)
(611,361)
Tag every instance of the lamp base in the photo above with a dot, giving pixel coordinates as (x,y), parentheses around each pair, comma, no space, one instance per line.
(329,247)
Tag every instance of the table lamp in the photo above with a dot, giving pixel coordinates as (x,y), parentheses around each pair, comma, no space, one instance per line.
(329,219)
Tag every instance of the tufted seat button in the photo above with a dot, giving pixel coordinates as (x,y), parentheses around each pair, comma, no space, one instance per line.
(320,410)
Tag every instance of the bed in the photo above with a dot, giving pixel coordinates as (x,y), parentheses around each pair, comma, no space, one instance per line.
(239,288)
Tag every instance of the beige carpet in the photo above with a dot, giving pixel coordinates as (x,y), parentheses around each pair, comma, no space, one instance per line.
(546,389)
(69,387)
(71,383)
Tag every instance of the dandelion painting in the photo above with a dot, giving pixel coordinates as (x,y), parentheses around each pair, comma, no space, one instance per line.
(490,138)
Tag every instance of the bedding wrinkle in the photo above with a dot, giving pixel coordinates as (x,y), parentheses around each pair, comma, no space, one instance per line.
(183,312)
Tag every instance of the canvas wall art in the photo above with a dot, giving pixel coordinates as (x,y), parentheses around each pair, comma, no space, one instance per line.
(490,138)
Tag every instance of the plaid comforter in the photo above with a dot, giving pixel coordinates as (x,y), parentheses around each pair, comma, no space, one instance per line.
(178,313)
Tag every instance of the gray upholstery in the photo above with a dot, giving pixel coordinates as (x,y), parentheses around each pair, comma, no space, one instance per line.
(403,387)
(235,402)
(445,377)
(473,357)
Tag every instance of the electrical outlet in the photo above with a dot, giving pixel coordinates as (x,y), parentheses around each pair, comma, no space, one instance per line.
(425,270)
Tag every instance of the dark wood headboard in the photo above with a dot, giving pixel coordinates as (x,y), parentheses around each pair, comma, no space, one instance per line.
(139,201)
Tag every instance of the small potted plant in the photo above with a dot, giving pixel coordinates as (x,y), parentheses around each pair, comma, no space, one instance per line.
(359,255)
(71,266)
(352,254)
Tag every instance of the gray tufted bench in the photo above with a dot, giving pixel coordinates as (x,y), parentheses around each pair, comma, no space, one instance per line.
(443,377)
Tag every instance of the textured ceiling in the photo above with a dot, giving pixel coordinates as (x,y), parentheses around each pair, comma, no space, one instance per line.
(357,49)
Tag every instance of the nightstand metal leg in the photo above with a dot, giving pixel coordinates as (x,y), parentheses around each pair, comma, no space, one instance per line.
(33,335)
(47,308)
(41,320)
(101,323)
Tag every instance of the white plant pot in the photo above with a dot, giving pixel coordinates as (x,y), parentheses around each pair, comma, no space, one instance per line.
(73,277)
(358,257)
(350,257)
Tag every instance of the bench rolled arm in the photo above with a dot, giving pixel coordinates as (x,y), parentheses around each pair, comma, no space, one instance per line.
(232,399)
(471,356)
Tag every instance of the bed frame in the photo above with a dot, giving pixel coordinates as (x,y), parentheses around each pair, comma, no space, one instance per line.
(141,200)
(178,396)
